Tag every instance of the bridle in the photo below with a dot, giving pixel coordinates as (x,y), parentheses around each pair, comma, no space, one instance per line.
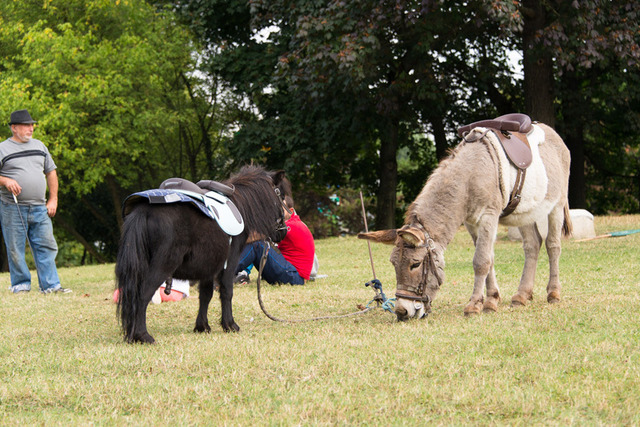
(280,226)
(419,293)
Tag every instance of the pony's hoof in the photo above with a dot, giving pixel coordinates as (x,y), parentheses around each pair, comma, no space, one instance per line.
(553,297)
(142,339)
(202,328)
(232,327)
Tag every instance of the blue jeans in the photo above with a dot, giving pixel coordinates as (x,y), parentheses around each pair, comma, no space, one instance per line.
(43,246)
(276,269)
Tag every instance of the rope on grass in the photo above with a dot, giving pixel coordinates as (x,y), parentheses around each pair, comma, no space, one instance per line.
(380,298)
(612,234)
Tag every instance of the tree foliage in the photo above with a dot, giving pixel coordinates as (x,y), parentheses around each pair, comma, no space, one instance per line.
(94,75)
(395,69)
(109,85)
(364,94)
(350,79)
(596,48)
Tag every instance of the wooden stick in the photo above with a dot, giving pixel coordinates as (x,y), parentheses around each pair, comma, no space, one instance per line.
(602,236)
(366,229)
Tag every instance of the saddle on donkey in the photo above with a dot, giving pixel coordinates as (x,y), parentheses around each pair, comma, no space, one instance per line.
(511,130)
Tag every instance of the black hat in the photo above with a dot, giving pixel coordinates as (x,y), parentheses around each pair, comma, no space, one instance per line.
(21,117)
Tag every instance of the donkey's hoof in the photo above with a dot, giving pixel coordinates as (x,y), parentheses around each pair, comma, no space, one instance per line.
(491,303)
(472,309)
(518,301)
(553,297)
(490,307)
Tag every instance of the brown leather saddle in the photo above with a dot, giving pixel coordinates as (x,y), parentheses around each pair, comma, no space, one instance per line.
(511,130)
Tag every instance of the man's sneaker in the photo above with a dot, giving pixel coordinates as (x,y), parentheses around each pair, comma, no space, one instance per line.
(59,290)
(20,289)
(242,278)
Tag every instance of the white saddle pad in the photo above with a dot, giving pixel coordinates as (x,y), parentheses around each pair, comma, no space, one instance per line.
(222,209)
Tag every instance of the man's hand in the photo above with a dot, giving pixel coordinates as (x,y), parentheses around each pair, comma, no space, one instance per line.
(52,183)
(11,185)
(52,207)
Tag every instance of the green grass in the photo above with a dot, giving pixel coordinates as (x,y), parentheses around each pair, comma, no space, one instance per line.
(573,363)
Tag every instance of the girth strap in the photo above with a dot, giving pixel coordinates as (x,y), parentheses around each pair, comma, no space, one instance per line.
(515,196)
(518,150)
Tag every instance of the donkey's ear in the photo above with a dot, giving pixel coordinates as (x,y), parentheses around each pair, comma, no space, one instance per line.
(383,236)
(277,177)
(412,235)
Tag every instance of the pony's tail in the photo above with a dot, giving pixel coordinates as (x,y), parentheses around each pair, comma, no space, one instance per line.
(132,266)
(567,226)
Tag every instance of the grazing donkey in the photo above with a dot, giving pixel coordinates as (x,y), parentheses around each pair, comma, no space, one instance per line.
(476,186)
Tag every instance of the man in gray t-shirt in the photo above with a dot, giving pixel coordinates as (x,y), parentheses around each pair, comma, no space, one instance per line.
(26,170)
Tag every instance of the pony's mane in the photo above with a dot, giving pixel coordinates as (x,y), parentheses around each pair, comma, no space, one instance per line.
(255,198)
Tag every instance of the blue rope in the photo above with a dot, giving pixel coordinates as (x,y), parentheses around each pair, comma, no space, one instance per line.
(387,304)
(624,233)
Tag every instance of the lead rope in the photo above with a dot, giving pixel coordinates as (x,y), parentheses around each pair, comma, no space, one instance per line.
(380,298)
(263,261)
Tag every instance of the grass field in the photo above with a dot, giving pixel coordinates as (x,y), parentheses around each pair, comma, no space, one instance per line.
(573,363)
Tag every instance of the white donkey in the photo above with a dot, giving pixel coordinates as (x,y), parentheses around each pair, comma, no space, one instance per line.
(473,186)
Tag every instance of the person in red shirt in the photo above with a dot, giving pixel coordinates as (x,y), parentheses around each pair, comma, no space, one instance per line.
(291,262)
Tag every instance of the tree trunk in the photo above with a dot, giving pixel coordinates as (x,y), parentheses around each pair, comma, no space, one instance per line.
(208,152)
(87,245)
(388,174)
(440,136)
(115,196)
(538,66)
(577,184)
(101,218)
(539,95)
(573,135)
(4,261)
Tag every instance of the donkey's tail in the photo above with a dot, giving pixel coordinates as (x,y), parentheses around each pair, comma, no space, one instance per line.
(567,226)
(132,266)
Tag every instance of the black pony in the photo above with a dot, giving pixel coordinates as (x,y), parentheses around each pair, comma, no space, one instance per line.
(176,240)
